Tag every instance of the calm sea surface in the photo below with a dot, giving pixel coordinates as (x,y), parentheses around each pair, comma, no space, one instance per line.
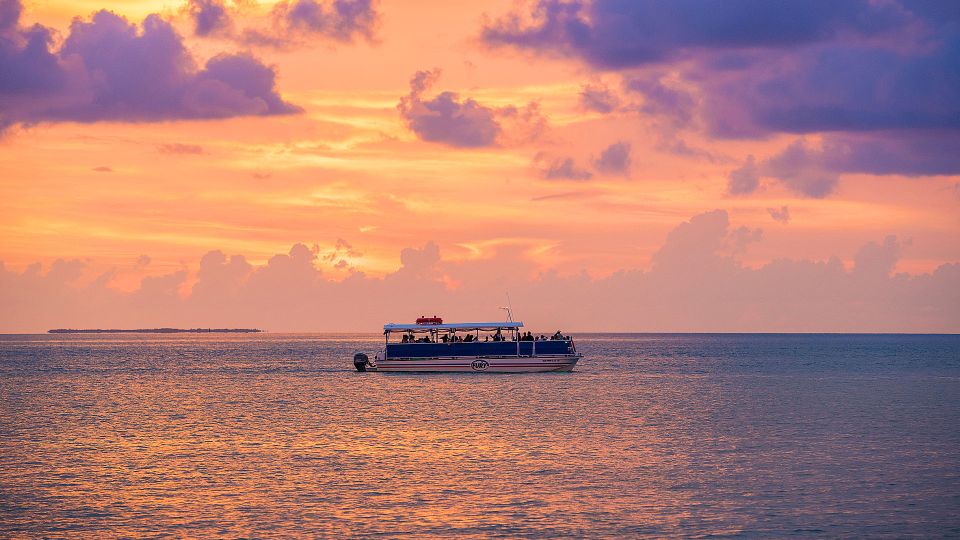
(652,435)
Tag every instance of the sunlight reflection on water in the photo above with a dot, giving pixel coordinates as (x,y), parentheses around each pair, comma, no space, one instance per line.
(274,435)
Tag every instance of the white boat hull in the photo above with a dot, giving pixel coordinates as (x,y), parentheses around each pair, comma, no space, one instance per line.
(472,364)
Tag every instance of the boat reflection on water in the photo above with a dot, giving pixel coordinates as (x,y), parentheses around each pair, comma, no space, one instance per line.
(429,345)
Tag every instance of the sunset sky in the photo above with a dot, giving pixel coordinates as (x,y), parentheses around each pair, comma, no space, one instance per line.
(309,165)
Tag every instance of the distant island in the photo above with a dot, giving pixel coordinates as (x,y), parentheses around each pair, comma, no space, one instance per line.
(155,331)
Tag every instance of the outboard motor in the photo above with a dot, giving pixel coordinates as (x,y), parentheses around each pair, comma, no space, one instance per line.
(361,361)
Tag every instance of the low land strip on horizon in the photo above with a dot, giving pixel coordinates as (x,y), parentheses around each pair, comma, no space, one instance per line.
(154,331)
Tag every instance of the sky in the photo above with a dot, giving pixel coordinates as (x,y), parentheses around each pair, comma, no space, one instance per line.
(316,165)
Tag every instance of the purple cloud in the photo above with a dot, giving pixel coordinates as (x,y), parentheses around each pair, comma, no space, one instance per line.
(341,20)
(598,98)
(877,77)
(108,69)
(800,168)
(209,17)
(841,87)
(180,148)
(781,215)
(659,99)
(618,34)
(615,159)
(465,123)
(565,169)
(745,179)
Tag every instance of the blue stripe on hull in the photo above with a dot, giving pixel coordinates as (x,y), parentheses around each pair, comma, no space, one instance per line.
(479,365)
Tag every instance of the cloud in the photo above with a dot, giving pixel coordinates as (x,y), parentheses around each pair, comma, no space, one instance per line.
(300,22)
(695,283)
(615,159)
(209,17)
(108,69)
(616,34)
(781,215)
(661,100)
(876,261)
(745,179)
(565,169)
(876,79)
(743,236)
(799,167)
(464,123)
(103,168)
(598,98)
(342,20)
(179,148)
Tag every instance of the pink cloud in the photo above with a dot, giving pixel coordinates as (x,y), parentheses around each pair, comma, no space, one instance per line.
(695,283)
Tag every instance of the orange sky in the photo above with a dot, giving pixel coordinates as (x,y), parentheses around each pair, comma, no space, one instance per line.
(349,168)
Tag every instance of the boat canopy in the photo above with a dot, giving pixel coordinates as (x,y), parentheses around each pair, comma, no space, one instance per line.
(507,325)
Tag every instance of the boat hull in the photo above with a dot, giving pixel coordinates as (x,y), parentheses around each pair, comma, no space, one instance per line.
(503,364)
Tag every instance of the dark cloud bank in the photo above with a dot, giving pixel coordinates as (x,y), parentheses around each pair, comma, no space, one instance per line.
(695,283)
(879,79)
(108,69)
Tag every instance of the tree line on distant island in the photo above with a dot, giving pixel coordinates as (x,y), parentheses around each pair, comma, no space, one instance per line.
(154,331)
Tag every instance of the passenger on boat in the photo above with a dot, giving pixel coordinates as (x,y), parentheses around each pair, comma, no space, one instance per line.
(558,335)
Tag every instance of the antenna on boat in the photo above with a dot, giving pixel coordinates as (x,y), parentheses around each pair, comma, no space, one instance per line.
(509,309)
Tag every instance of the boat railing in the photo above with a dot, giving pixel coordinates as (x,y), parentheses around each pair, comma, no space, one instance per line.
(479,348)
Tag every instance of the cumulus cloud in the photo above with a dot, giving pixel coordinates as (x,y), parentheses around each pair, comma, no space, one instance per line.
(615,159)
(876,78)
(108,69)
(695,283)
(448,119)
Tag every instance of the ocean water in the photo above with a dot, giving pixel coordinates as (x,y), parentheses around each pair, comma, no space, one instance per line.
(275,435)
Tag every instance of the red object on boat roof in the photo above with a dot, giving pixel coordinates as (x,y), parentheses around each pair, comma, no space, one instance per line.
(429,320)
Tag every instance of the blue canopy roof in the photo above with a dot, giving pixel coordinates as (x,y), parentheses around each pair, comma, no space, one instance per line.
(506,325)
